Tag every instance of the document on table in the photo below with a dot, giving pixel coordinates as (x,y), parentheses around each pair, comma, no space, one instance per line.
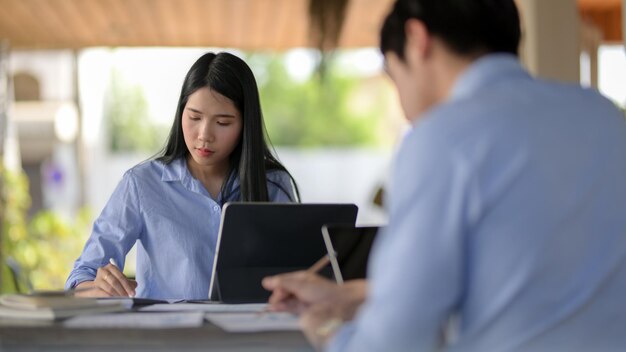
(254,322)
(138,320)
(206,307)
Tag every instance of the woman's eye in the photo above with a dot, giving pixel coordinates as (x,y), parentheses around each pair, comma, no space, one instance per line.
(194,118)
(223,123)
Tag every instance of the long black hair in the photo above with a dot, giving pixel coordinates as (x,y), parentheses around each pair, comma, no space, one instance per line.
(231,77)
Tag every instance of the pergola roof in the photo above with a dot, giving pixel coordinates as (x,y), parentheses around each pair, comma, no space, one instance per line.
(606,15)
(245,24)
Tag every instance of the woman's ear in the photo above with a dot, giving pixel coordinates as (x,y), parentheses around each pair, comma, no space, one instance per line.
(418,39)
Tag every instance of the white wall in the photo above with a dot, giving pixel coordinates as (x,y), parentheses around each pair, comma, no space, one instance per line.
(323,175)
(340,175)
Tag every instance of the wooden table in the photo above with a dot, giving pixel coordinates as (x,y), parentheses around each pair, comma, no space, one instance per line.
(46,336)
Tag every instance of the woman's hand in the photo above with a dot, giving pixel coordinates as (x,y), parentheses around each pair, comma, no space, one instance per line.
(109,282)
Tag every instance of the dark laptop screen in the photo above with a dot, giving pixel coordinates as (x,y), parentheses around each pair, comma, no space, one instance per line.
(262,239)
(352,247)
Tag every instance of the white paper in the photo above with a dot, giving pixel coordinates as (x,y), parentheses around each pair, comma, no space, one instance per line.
(137,320)
(206,307)
(254,322)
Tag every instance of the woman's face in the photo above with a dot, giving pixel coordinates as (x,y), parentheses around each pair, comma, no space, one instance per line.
(211,127)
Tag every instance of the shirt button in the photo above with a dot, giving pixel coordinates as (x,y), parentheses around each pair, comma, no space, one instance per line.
(216,208)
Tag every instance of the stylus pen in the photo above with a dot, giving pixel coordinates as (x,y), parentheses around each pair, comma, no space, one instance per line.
(319,265)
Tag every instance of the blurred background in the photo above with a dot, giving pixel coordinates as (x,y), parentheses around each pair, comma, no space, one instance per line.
(88,88)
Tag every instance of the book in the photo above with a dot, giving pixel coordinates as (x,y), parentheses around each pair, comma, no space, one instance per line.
(57,306)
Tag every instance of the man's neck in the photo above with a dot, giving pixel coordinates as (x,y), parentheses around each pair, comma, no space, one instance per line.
(449,69)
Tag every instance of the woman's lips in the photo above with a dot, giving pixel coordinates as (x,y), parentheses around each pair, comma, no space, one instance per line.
(204,152)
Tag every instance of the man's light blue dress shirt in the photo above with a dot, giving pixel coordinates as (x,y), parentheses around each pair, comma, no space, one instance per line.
(507,211)
(175,223)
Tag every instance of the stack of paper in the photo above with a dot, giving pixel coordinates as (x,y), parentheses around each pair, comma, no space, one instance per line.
(254,322)
(137,320)
(51,306)
(207,307)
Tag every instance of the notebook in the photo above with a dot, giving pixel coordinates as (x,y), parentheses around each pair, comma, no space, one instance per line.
(348,249)
(256,240)
(53,307)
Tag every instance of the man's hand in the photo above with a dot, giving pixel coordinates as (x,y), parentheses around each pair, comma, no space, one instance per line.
(323,305)
(295,292)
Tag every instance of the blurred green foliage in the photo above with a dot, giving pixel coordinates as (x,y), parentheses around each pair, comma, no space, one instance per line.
(126,114)
(45,246)
(16,203)
(313,113)
(321,111)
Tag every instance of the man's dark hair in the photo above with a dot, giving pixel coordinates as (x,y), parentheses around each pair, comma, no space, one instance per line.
(468,27)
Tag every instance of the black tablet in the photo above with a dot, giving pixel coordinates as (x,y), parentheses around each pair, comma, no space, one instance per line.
(260,239)
(348,248)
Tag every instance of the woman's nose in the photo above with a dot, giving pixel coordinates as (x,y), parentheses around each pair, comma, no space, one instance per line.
(206,132)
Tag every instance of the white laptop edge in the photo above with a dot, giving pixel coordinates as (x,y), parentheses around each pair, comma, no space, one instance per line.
(332,255)
(217,249)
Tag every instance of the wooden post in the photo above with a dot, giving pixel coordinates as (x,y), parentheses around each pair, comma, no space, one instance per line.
(551,38)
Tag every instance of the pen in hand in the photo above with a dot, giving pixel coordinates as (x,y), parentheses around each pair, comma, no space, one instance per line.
(319,264)
(114,263)
(280,295)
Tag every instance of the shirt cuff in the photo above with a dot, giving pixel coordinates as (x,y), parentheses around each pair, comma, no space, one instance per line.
(74,280)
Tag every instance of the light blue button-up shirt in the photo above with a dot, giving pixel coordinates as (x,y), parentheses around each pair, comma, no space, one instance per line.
(508,212)
(175,223)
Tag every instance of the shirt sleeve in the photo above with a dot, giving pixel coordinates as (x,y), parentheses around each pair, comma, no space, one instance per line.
(416,265)
(280,187)
(114,233)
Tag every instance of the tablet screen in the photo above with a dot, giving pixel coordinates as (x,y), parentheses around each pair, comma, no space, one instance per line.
(349,249)
(258,239)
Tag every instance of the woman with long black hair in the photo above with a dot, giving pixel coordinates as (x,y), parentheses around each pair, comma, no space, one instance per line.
(217,151)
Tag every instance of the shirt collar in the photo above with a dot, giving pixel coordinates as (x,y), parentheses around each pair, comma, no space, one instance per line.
(485,71)
(177,170)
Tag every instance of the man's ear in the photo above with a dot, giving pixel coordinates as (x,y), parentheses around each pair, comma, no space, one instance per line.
(418,39)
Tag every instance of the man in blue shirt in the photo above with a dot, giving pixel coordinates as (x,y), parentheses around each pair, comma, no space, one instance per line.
(507,223)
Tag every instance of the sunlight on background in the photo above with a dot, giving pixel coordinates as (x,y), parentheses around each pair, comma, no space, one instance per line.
(612,73)
(300,63)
